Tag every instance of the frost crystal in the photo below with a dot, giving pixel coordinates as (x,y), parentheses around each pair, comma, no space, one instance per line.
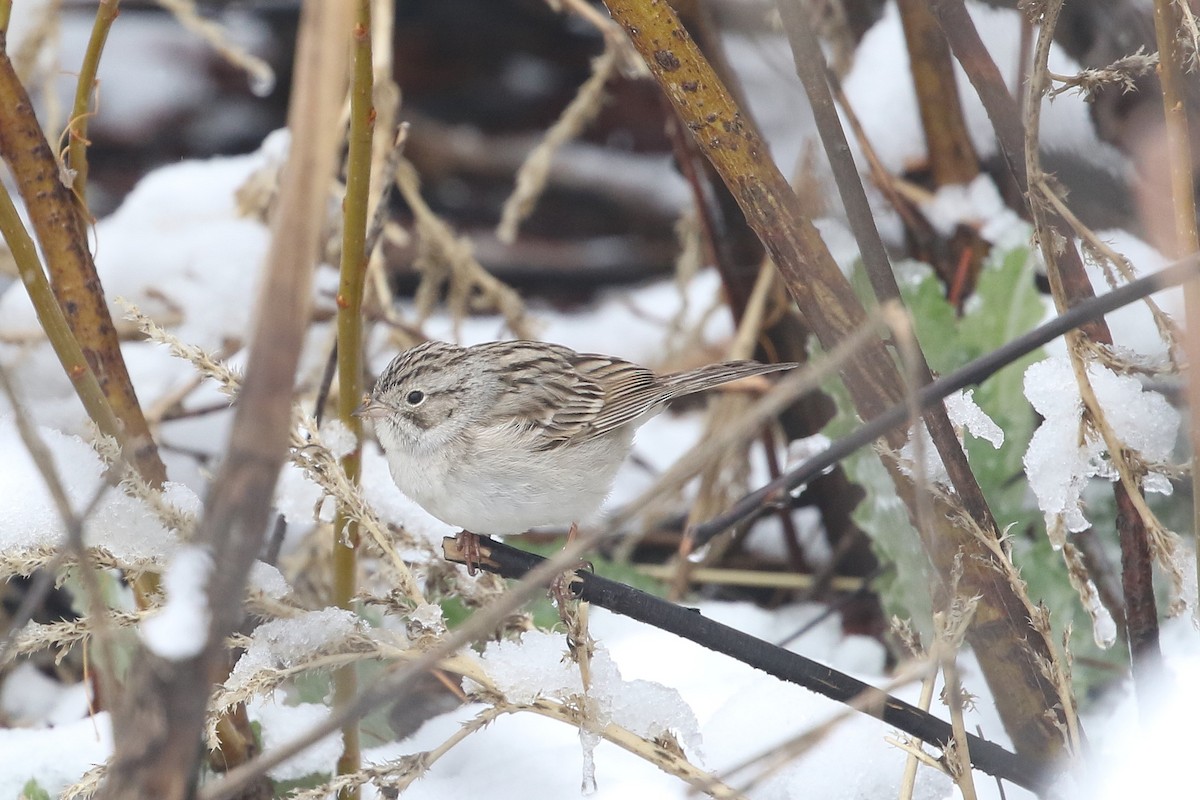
(283,642)
(1062,456)
(964,415)
(534,668)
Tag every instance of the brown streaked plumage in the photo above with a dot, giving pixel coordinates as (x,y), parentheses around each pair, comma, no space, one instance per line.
(504,436)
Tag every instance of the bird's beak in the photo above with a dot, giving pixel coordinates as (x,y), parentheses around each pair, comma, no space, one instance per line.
(371,409)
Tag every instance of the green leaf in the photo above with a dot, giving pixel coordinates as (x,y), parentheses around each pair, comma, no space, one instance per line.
(33,791)
(1006,304)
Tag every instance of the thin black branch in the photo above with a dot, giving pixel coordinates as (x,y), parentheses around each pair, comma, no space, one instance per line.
(989,757)
(969,375)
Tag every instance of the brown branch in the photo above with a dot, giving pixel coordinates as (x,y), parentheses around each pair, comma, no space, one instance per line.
(157,731)
(63,238)
(1067,278)
(952,157)
(1012,652)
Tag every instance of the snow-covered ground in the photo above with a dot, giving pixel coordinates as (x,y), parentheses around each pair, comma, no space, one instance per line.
(180,249)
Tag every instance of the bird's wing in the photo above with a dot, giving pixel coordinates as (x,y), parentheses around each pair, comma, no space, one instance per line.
(550,398)
(562,396)
(629,391)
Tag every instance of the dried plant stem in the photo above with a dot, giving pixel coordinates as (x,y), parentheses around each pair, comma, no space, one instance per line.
(54,323)
(1141,535)
(531,177)
(1012,653)
(63,238)
(1183,199)
(106,13)
(350,354)
(756,578)
(262,77)
(5,15)
(156,735)
(908,780)
(951,627)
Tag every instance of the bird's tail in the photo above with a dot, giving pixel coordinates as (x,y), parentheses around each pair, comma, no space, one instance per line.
(690,381)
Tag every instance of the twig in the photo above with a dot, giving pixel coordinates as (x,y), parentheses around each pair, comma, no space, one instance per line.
(106,14)
(262,77)
(962,378)
(783,664)
(156,737)
(531,177)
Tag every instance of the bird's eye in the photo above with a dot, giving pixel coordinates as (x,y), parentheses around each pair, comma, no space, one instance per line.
(415,397)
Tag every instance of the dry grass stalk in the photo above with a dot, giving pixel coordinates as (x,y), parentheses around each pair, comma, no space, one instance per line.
(532,176)
(448,261)
(262,77)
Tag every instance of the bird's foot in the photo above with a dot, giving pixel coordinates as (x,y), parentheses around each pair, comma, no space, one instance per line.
(468,545)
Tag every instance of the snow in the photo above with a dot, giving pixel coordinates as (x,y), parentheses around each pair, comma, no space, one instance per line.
(976,205)
(1060,458)
(179,629)
(880,89)
(280,722)
(180,249)
(537,667)
(28,698)
(281,643)
(118,523)
(965,415)
(268,580)
(56,757)
(1148,752)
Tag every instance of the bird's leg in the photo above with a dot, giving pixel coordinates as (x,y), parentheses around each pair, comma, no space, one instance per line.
(468,545)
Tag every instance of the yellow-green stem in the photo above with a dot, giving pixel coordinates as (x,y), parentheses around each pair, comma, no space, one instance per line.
(5,14)
(350,356)
(106,13)
(1183,200)
(50,315)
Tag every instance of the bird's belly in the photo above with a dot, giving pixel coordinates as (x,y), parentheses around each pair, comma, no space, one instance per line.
(498,494)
